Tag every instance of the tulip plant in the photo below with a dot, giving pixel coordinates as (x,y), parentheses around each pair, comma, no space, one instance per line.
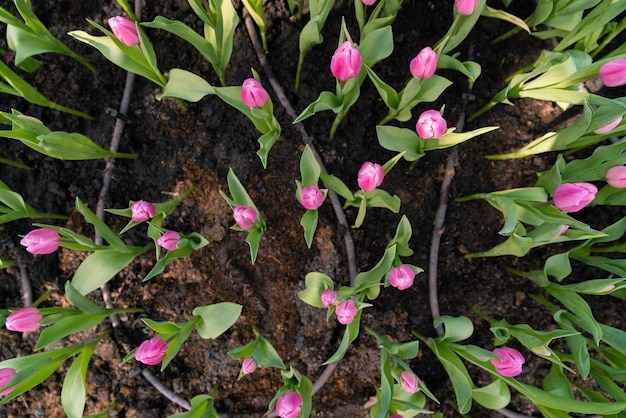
(542,215)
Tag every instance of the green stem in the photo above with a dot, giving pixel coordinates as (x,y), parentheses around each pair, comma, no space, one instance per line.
(336,122)
(299,72)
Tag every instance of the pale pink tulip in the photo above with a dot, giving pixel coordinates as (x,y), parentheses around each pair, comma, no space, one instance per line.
(248,365)
(370,176)
(24,320)
(289,405)
(613,73)
(151,351)
(431,124)
(616,176)
(245,216)
(169,240)
(312,197)
(608,127)
(401,277)
(124,30)
(253,94)
(510,363)
(424,64)
(329,297)
(142,211)
(346,311)
(409,382)
(41,241)
(346,62)
(465,7)
(572,197)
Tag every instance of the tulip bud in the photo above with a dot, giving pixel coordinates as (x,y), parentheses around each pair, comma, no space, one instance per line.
(563,230)
(510,363)
(616,176)
(370,176)
(253,94)
(608,127)
(6,374)
(346,62)
(124,30)
(424,64)
(346,311)
(401,277)
(312,197)
(169,240)
(431,124)
(572,197)
(248,365)
(613,73)
(24,320)
(368,2)
(245,216)
(41,241)
(409,382)
(289,405)
(151,351)
(329,297)
(465,7)
(395,416)
(142,211)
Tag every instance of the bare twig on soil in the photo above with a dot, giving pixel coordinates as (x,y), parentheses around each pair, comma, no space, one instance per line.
(27,290)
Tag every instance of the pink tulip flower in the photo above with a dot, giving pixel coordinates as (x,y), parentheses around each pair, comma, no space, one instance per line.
(510,363)
(24,320)
(608,127)
(401,277)
(142,211)
(253,94)
(151,351)
(329,297)
(169,240)
(613,73)
(616,176)
(248,365)
(370,176)
(289,405)
(346,62)
(41,241)
(563,230)
(6,374)
(572,197)
(346,311)
(409,382)
(424,64)
(395,416)
(312,197)
(245,216)
(431,124)
(368,2)
(124,30)
(465,7)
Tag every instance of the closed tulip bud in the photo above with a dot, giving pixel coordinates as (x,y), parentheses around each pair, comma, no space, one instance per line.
(346,62)
(370,176)
(6,374)
(510,362)
(465,7)
(572,197)
(401,277)
(142,211)
(608,127)
(431,124)
(613,73)
(253,94)
(346,311)
(329,297)
(151,351)
(424,64)
(616,176)
(244,216)
(24,320)
(368,2)
(289,405)
(409,382)
(41,241)
(124,30)
(169,240)
(312,197)
(248,365)
(563,230)
(395,416)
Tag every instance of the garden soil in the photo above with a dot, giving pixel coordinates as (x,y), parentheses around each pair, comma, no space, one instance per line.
(195,146)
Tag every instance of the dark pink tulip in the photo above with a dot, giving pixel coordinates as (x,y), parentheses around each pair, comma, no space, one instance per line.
(329,297)
(124,30)
(424,64)
(613,73)
(289,405)
(151,351)
(41,241)
(346,62)
(244,216)
(24,320)
(572,197)
(431,124)
(616,176)
(142,211)
(253,94)
(6,374)
(510,363)
(370,176)
(346,311)
(368,2)
(465,7)
(395,416)
(312,197)
(401,277)
(248,365)
(409,382)
(608,127)
(169,240)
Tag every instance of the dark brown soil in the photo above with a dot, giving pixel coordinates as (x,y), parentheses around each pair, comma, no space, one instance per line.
(180,148)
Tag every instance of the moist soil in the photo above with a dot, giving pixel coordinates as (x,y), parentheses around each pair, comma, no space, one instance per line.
(182,147)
